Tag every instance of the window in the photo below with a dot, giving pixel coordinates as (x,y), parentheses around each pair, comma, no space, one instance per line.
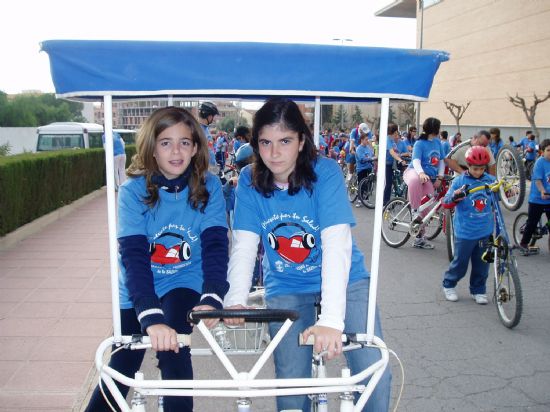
(48,142)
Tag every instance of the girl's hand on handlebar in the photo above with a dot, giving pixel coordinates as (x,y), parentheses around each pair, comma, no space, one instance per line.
(234,321)
(326,339)
(163,338)
(209,323)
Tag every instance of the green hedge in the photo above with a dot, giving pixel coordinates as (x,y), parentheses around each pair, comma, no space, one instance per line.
(35,184)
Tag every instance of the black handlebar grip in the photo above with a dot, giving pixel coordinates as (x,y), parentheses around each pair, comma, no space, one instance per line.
(249,315)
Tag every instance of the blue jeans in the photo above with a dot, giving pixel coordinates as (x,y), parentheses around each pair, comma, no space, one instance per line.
(466,250)
(294,361)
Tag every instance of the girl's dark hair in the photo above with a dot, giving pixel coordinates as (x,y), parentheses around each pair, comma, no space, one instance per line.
(430,126)
(284,112)
(144,163)
(392,128)
(544,144)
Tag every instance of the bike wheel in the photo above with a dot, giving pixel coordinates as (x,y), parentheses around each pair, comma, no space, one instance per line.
(352,189)
(367,191)
(508,294)
(519,227)
(396,221)
(450,234)
(510,168)
(434,226)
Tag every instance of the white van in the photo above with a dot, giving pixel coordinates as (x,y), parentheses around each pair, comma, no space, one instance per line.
(73,135)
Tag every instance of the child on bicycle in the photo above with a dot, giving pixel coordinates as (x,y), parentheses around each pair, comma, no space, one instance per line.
(426,166)
(473,225)
(364,156)
(539,197)
(173,246)
(283,198)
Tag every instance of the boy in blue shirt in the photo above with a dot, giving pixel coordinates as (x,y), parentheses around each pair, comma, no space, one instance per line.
(473,224)
(364,156)
(539,197)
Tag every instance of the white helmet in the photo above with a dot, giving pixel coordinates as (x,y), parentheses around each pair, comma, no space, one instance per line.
(363,128)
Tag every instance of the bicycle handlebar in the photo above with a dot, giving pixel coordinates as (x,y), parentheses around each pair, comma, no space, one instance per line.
(249,315)
(144,342)
(347,338)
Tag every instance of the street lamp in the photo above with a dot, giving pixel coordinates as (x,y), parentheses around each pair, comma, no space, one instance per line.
(343,40)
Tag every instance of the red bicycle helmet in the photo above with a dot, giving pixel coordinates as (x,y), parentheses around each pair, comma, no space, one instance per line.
(477,156)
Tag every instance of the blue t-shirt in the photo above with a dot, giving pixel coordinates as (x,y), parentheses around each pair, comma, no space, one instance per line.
(206,131)
(244,152)
(236,144)
(364,155)
(290,228)
(430,153)
(391,145)
(172,226)
(495,147)
(532,155)
(118,144)
(445,147)
(473,218)
(541,171)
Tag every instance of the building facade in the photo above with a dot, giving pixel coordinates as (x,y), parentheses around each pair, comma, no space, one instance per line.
(498,48)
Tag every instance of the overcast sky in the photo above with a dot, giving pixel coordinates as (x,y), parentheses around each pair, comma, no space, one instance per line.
(25,23)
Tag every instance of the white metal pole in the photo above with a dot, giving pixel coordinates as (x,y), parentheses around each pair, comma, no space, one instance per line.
(111,214)
(317,121)
(381,176)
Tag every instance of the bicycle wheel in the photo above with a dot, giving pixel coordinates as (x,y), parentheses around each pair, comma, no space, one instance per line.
(367,191)
(508,295)
(352,189)
(519,227)
(511,169)
(434,226)
(396,221)
(450,234)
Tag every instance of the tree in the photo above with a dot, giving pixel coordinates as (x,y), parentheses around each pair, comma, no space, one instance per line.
(457,111)
(227,124)
(530,111)
(326,115)
(340,117)
(357,116)
(30,110)
(409,112)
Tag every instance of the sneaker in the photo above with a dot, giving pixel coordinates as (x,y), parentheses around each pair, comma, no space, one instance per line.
(422,243)
(358,204)
(450,294)
(526,250)
(480,298)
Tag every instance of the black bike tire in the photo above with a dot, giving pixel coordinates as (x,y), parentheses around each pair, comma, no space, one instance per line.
(450,235)
(407,235)
(519,224)
(370,180)
(352,197)
(521,177)
(439,216)
(512,275)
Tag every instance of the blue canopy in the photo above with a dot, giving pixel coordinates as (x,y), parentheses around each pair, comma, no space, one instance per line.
(88,70)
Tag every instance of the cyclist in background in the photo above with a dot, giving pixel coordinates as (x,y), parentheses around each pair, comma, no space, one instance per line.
(496,142)
(391,155)
(539,196)
(426,166)
(364,156)
(456,159)
(207,113)
(473,224)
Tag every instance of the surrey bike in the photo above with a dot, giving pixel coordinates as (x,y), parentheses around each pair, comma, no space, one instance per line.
(245,385)
(507,294)
(397,217)
(510,168)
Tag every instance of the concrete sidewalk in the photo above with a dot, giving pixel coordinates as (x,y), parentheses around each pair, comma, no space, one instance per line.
(55,308)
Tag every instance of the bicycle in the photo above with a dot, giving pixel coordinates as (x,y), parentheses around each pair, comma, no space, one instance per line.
(540,231)
(242,385)
(507,295)
(397,218)
(510,167)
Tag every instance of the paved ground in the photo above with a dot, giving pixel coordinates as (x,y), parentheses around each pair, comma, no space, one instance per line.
(54,310)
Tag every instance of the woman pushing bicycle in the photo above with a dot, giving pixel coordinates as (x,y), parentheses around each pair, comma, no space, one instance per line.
(427,165)
(287,197)
(473,225)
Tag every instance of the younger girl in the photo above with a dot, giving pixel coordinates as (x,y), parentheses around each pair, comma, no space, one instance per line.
(282,199)
(427,165)
(173,245)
